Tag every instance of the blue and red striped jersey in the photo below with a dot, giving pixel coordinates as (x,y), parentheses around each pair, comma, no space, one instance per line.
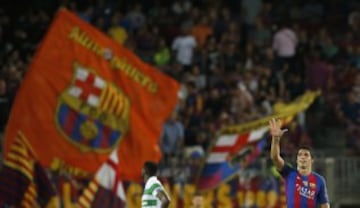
(304,191)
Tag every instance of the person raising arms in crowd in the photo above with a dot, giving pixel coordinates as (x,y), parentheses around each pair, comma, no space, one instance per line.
(304,187)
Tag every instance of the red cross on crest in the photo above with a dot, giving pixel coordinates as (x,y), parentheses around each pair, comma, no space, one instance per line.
(88,87)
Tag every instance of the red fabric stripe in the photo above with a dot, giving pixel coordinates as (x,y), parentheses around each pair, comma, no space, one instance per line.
(105,134)
(31,194)
(241,142)
(86,197)
(21,165)
(81,205)
(70,121)
(312,180)
(26,202)
(18,142)
(113,165)
(222,149)
(19,155)
(111,99)
(297,197)
(104,98)
(116,182)
(114,106)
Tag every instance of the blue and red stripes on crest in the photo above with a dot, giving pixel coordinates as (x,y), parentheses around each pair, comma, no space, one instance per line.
(70,121)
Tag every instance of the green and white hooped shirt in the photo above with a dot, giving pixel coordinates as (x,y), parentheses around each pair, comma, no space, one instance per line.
(152,188)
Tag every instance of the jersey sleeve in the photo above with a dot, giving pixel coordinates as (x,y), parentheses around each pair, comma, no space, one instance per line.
(323,195)
(155,188)
(287,169)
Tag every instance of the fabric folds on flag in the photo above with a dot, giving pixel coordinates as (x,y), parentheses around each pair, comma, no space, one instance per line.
(23,181)
(106,189)
(239,145)
(85,95)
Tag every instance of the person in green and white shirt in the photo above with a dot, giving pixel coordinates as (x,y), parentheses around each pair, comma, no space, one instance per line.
(154,195)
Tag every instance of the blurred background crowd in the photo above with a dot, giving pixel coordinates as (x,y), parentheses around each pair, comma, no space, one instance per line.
(234,60)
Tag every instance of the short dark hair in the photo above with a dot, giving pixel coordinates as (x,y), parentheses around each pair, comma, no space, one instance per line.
(150,168)
(308,149)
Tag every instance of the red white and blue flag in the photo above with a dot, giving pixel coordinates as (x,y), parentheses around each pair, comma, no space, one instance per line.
(231,153)
(239,145)
(106,189)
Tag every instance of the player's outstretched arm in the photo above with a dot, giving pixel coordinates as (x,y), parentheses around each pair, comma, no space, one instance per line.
(276,134)
(164,198)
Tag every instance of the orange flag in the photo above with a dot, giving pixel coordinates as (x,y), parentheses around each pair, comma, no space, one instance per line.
(83,94)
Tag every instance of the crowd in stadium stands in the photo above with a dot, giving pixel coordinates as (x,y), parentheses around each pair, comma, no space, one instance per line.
(234,60)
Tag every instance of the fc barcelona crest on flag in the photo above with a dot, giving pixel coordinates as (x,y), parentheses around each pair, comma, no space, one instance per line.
(100,97)
(92,113)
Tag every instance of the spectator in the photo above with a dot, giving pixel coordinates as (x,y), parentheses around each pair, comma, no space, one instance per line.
(4,104)
(181,7)
(116,31)
(162,54)
(226,76)
(184,46)
(349,113)
(201,31)
(250,10)
(86,14)
(136,18)
(261,36)
(284,44)
(197,77)
(319,73)
(172,138)
(229,58)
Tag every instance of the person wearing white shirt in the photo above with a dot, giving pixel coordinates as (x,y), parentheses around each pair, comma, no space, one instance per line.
(284,45)
(184,45)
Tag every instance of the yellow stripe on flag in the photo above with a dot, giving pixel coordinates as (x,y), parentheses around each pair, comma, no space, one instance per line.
(107,99)
(88,194)
(113,104)
(32,190)
(93,186)
(20,151)
(25,142)
(24,162)
(103,96)
(19,168)
(26,204)
(121,106)
(84,203)
(29,196)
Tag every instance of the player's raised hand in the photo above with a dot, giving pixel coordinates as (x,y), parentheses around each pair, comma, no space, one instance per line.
(275,128)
